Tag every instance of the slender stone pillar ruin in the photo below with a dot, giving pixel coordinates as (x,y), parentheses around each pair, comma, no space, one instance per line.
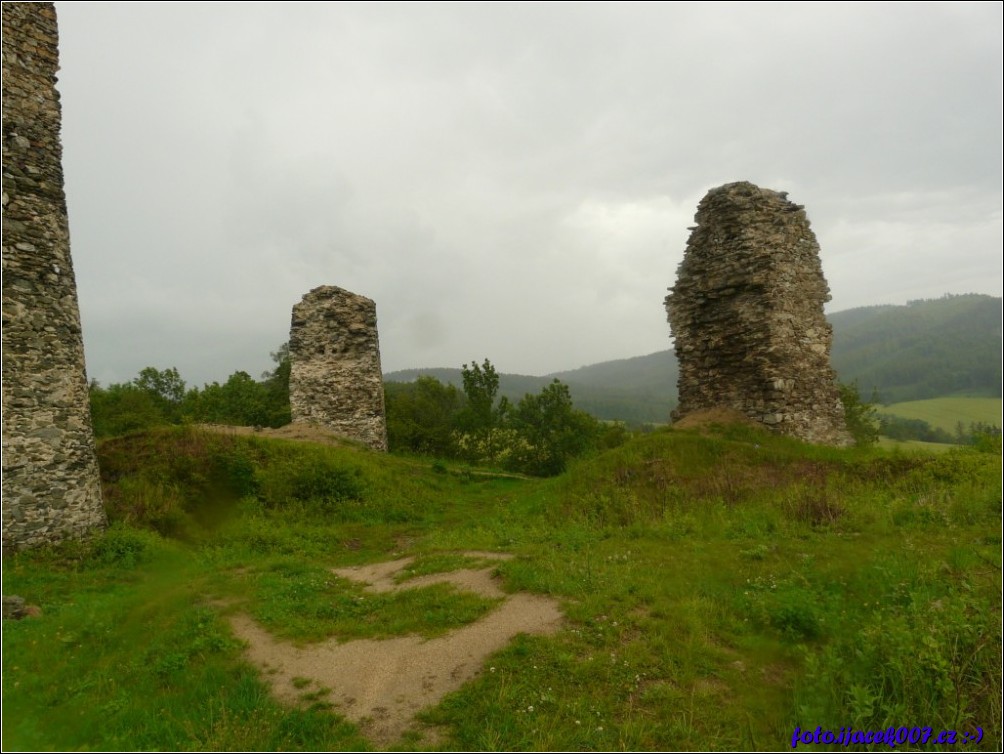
(335,378)
(747,316)
(51,488)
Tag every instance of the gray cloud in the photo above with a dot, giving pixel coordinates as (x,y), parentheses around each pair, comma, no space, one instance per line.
(505,180)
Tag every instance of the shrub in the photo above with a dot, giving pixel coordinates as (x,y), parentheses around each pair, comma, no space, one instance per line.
(860,417)
(550,431)
(936,660)
(307,477)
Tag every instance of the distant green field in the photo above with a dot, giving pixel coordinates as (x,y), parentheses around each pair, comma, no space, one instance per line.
(914,445)
(946,413)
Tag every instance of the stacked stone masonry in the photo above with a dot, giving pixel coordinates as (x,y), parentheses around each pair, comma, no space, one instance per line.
(335,376)
(51,488)
(747,316)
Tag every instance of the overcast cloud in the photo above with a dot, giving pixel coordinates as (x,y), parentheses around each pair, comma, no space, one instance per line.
(511,181)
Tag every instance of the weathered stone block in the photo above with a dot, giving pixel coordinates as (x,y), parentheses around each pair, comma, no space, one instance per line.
(335,376)
(747,316)
(51,488)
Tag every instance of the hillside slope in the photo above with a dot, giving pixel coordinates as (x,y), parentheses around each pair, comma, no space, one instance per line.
(925,349)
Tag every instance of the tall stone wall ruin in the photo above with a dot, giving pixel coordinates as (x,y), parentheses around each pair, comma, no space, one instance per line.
(51,488)
(335,377)
(747,316)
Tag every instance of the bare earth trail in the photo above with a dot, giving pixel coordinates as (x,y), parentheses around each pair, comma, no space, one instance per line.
(382,684)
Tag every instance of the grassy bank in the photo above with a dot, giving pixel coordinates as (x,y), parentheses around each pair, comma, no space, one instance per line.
(720,589)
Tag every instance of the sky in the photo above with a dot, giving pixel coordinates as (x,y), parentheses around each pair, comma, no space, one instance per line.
(506,181)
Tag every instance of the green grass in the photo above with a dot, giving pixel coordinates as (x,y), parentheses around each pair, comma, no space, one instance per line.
(946,413)
(918,446)
(298,601)
(719,590)
(128,655)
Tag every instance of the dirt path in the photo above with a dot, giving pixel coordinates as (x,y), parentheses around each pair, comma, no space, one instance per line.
(382,684)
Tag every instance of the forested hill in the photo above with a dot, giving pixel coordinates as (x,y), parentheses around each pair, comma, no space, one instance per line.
(636,390)
(925,349)
(640,389)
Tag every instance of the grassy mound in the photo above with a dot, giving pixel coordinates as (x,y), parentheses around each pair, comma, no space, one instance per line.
(720,588)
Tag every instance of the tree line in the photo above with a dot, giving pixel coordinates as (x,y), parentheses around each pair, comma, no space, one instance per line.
(536,435)
(900,428)
(160,396)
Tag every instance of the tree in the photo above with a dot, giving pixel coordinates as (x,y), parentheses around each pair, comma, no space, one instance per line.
(860,417)
(165,388)
(243,401)
(276,385)
(483,417)
(422,416)
(153,399)
(122,408)
(239,401)
(550,431)
(166,384)
(157,397)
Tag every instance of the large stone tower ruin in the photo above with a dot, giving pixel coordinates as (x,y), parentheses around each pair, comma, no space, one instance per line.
(335,377)
(747,316)
(51,488)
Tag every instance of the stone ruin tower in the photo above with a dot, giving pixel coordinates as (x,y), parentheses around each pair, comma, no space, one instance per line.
(747,316)
(335,378)
(51,489)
